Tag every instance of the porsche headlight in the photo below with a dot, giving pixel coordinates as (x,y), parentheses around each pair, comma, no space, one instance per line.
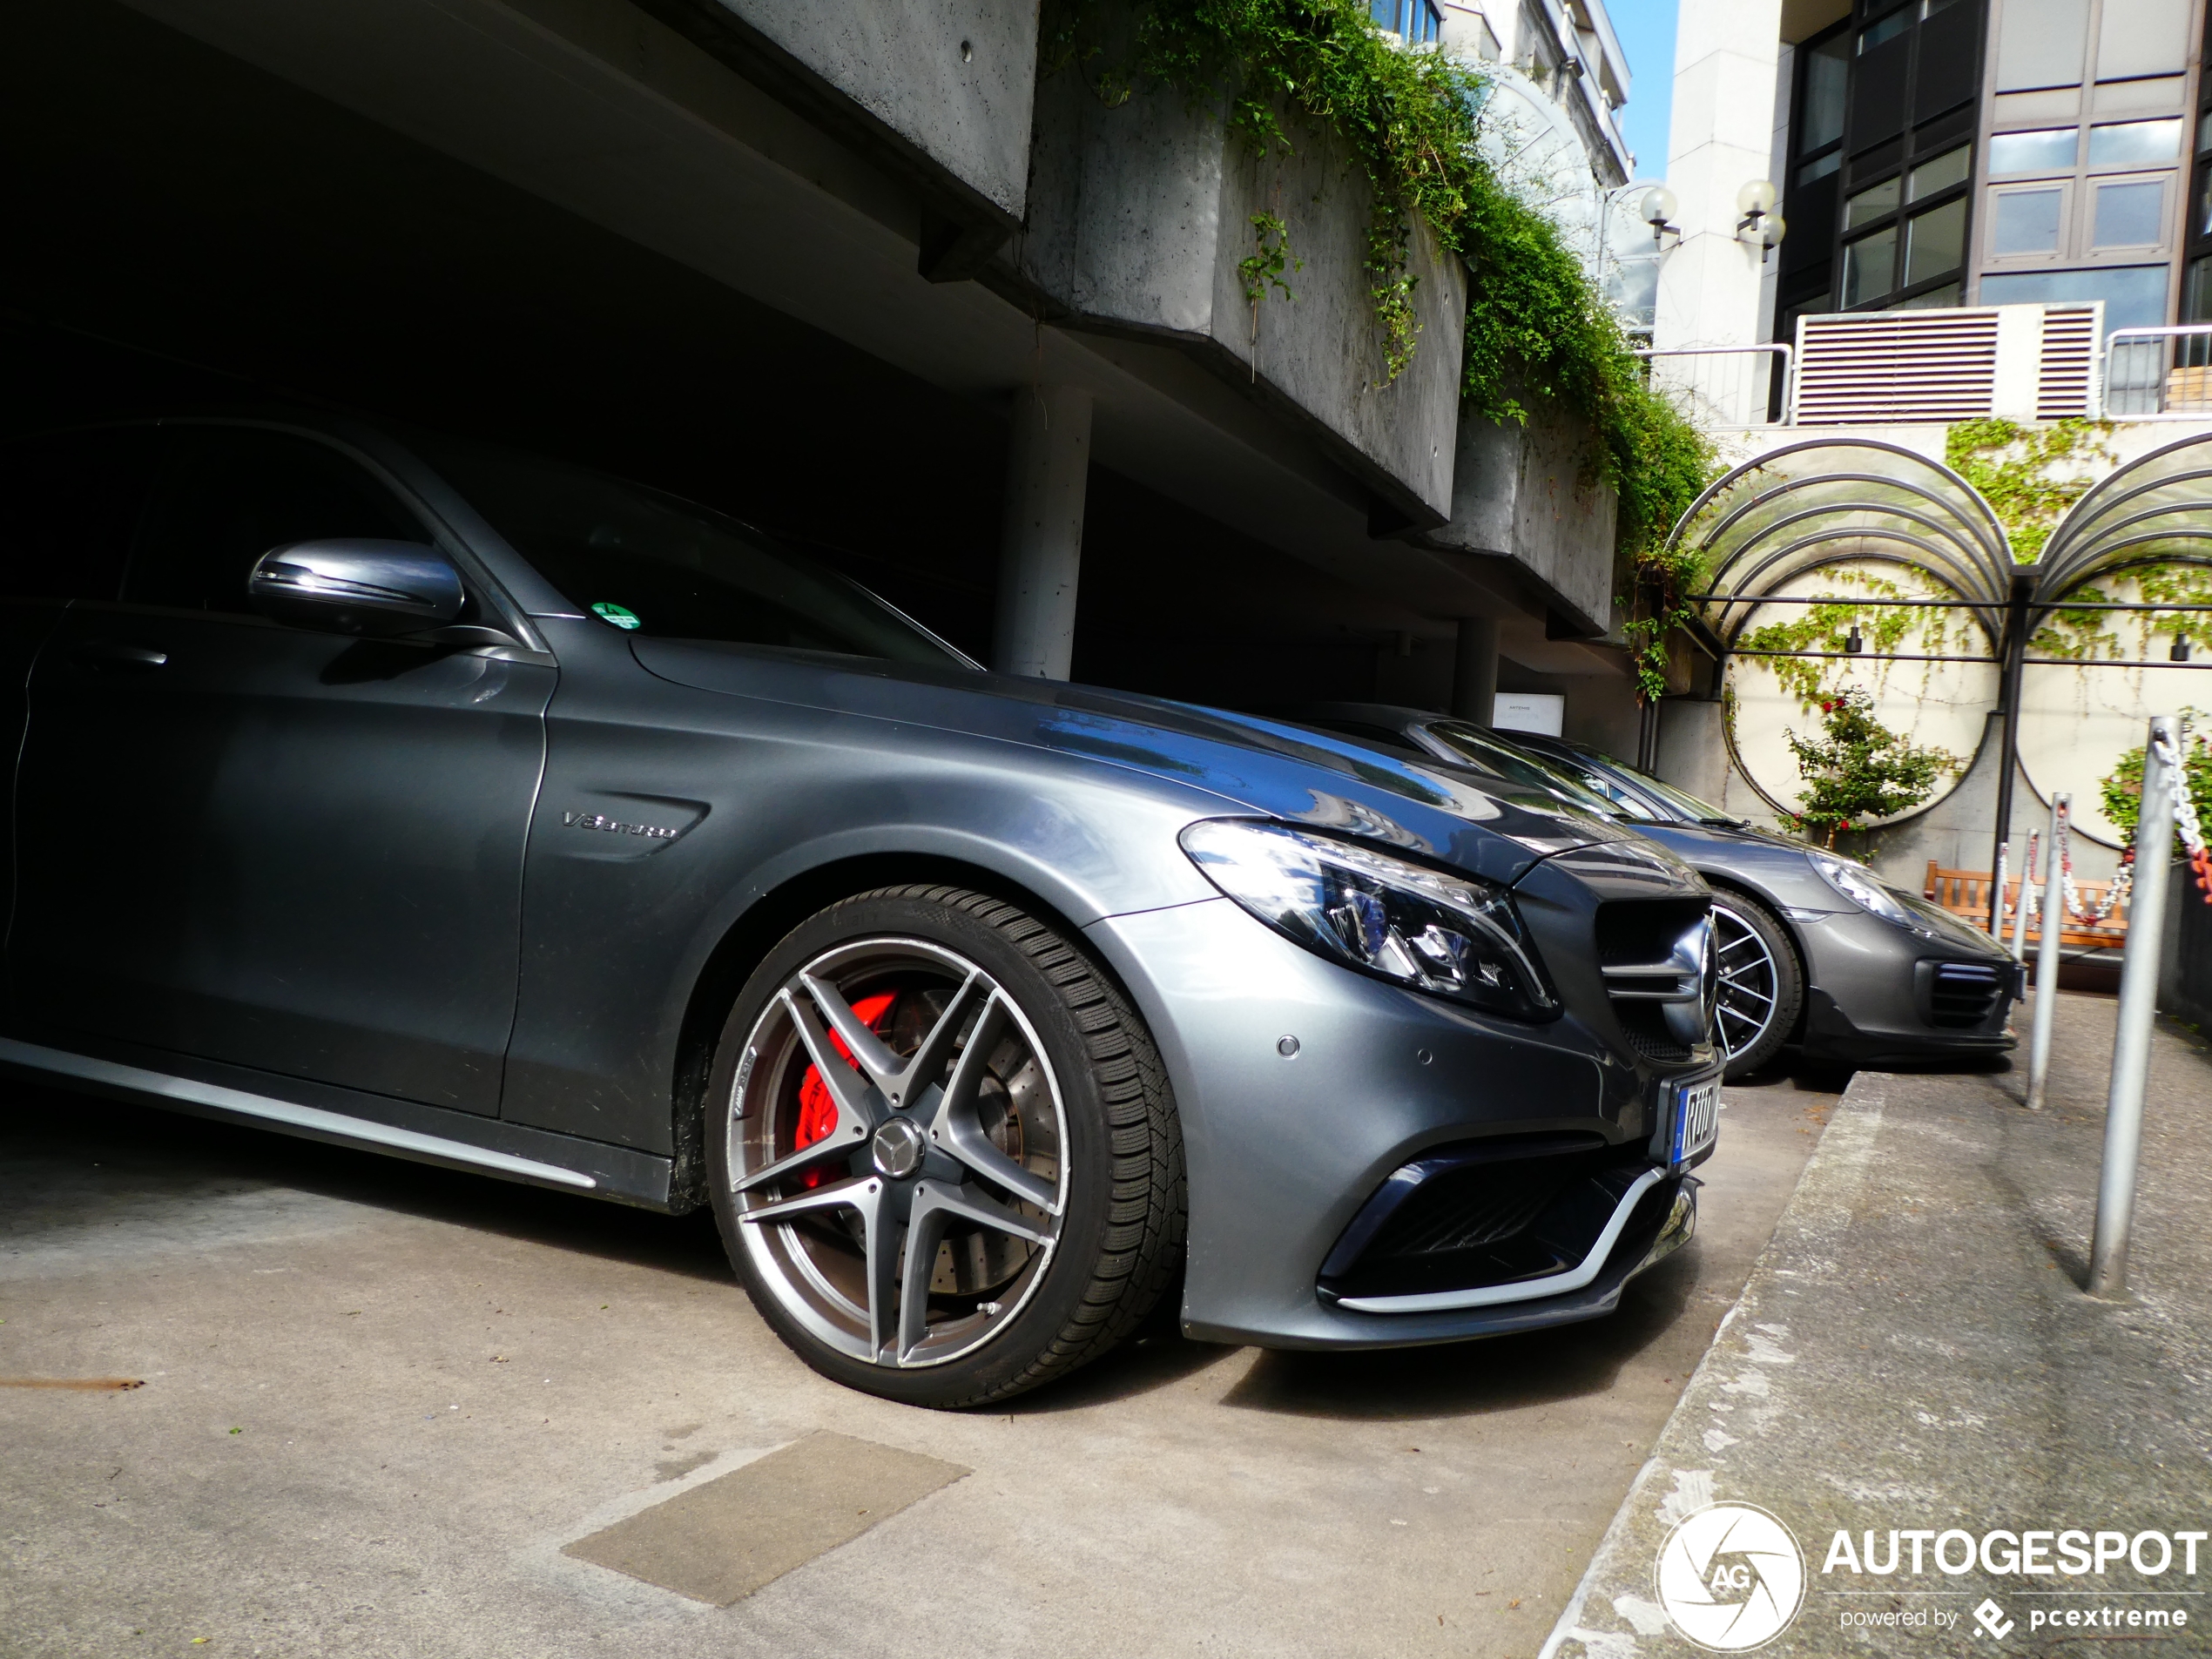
(1858,886)
(1453,935)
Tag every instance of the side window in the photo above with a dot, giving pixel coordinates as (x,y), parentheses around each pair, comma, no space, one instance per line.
(229,495)
(1590,778)
(70,505)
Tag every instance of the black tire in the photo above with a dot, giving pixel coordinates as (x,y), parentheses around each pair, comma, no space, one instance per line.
(1121,1212)
(1739,920)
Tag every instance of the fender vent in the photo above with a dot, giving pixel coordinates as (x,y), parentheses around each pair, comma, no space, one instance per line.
(1963,995)
(1659,973)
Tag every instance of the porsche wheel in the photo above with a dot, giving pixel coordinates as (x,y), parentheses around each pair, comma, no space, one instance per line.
(1761,986)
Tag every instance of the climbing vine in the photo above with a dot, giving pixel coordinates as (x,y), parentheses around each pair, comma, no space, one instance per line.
(2028,477)
(1881,630)
(1538,334)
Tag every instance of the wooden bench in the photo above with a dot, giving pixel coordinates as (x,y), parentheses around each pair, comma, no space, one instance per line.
(1965,892)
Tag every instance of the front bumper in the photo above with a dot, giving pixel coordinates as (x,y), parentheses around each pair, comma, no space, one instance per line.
(1283,1152)
(1872,997)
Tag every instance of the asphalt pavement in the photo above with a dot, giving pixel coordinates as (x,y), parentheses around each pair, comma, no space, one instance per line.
(380,1401)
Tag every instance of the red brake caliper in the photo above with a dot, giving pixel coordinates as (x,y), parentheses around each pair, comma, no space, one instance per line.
(817,1109)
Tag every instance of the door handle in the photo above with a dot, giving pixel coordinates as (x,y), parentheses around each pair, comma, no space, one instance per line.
(114,653)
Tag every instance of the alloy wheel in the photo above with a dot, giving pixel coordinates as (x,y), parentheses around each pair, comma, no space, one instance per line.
(897,1152)
(1750,982)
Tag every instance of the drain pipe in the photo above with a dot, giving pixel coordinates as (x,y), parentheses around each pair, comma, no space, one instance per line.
(2047,954)
(2137,1004)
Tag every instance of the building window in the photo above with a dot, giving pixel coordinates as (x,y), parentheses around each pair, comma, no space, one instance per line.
(2136,143)
(2026,222)
(1415,21)
(1870,267)
(1824,79)
(2135,295)
(2050,150)
(1870,204)
(1889,29)
(2130,214)
(2196,291)
(1935,242)
(1945,170)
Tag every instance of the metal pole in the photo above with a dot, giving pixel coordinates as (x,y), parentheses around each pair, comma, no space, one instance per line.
(2046,958)
(2138,1003)
(2016,655)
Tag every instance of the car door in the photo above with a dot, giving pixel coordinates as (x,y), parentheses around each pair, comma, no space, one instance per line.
(70,503)
(255,844)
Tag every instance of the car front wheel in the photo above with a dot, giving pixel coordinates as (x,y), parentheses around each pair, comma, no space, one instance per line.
(945,1158)
(1761,987)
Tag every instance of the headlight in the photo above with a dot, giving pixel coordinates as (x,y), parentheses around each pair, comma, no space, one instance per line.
(1862,889)
(1455,935)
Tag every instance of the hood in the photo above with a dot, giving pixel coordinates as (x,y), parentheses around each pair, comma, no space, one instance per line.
(1462,818)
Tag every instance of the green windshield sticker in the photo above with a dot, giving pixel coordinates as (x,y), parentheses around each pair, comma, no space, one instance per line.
(621,616)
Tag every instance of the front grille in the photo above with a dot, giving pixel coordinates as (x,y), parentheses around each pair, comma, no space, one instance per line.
(1644,930)
(1648,1033)
(1653,952)
(1963,995)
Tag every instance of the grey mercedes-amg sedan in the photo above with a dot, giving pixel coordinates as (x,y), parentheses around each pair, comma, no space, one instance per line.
(441,801)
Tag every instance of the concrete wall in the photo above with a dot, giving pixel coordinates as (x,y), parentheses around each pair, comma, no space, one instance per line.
(1138,216)
(1519,493)
(952,77)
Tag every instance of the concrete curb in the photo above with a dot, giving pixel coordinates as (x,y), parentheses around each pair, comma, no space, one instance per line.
(1615,1590)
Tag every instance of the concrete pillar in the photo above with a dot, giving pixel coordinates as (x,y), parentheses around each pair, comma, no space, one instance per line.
(1720,137)
(1041,549)
(1475,670)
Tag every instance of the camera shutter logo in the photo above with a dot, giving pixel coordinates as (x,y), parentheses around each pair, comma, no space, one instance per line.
(1730,1577)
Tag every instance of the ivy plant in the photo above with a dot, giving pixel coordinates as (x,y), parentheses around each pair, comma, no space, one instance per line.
(2012,466)
(1538,336)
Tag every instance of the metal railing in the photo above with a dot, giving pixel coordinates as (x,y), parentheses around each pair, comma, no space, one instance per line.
(1728,386)
(2151,374)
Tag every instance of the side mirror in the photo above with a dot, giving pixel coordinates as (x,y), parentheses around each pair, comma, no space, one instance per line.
(373,589)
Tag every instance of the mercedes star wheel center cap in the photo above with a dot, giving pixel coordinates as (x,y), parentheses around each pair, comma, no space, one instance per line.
(898,1148)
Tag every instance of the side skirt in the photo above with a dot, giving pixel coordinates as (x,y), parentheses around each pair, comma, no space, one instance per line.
(403,1129)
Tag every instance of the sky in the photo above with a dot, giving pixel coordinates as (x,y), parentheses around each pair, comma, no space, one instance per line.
(1646,29)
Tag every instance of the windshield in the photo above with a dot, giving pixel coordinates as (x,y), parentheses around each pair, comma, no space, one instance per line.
(1520,766)
(656,565)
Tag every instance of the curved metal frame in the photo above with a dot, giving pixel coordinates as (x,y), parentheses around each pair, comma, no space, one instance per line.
(1964,549)
(2096,538)
(2081,548)
(1980,537)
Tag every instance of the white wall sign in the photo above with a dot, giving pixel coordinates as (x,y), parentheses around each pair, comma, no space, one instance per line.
(1544,712)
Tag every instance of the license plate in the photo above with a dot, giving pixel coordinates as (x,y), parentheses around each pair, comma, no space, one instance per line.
(1694,1123)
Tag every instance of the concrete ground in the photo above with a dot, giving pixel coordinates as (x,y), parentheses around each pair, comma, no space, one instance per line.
(1916,1351)
(378,1398)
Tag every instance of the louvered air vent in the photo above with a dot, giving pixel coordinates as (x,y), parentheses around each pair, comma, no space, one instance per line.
(1895,366)
(2062,391)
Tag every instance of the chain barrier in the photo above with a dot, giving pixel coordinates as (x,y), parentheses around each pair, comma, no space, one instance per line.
(2186,824)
